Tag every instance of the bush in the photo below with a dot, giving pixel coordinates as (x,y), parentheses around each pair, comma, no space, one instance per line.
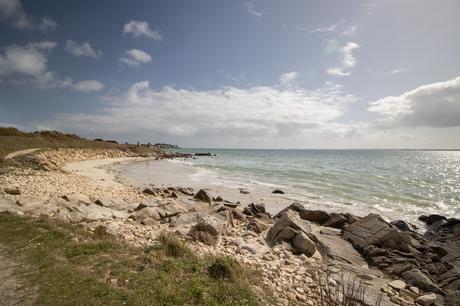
(220,269)
(173,246)
(100,233)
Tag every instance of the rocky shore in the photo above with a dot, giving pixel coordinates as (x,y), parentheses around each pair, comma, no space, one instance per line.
(303,255)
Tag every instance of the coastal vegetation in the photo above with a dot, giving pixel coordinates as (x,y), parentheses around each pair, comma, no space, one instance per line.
(68,265)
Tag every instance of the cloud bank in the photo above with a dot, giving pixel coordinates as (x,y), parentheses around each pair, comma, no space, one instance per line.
(227,112)
(432,105)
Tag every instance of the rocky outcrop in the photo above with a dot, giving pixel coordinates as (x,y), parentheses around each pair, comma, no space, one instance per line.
(429,264)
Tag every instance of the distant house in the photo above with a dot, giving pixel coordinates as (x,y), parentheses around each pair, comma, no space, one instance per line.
(165,146)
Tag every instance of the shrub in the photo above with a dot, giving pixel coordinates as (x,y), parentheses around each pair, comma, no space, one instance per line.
(173,246)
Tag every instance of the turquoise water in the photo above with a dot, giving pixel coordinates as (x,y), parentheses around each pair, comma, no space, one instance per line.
(397,183)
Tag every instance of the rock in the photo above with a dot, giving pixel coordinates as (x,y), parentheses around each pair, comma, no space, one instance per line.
(431,219)
(288,219)
(265,216)
(303,245)
(13,191)
(426,300)
(336,221)
(403,226)
(244,191)
(277,191)
(296,207)
(99,202)
(414,289)
(149,191)
(157,212)
(257,226)
(186,191)
(218,199)
(238,214)
(253,209)
(287,229)
(231,205)
(397,284)
(317,216)
(203,196)
(140,206)
(416,278)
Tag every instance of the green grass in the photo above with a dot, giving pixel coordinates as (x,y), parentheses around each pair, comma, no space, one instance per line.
(74,267)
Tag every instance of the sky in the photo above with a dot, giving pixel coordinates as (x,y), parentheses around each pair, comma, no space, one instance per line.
(235,74)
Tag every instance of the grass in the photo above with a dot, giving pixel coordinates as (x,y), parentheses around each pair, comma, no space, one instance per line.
(73,267)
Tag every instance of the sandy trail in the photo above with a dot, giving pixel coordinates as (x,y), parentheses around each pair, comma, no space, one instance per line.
(20,153)
(13,290)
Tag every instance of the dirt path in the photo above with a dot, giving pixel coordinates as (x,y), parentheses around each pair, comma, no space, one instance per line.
(13,290)
(21,152)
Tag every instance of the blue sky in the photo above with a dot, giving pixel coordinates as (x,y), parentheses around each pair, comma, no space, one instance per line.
(258,74)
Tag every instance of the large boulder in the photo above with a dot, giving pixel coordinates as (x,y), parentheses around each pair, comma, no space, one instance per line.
(317,216)
(157,211)
(203,196)
(208,230)
(431,219)
(303,244)
(290,228)
(416,278)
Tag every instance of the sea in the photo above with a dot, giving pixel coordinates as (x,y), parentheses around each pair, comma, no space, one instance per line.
(398,184)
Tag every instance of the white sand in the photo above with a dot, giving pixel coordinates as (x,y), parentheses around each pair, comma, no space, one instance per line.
(97,170)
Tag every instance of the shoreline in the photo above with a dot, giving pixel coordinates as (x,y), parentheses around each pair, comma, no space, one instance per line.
(90,192)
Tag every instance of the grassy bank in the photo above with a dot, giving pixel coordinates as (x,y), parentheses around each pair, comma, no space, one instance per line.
(12,140)
(70,266)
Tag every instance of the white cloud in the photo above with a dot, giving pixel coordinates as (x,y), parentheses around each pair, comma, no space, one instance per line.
(339,27)
(251,8)
(88,86)
(432,105)
(228,112)
(28,65)
(47,24)
(136,57)
(13,12)
(347,60)
(84,49)
(399,70)
(29,60)
(331,28)
(350,31)
(288,77)
(141,28)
